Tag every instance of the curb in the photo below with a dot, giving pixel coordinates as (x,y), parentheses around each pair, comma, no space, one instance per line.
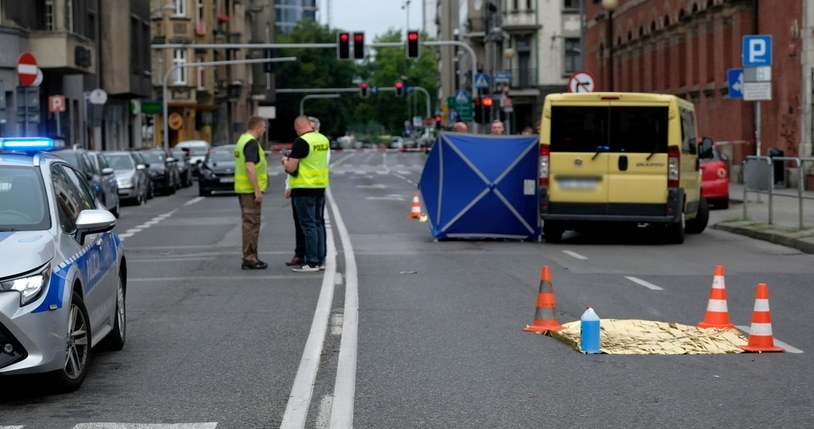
(805,245)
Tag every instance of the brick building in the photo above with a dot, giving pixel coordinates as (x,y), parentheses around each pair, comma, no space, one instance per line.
(685,47)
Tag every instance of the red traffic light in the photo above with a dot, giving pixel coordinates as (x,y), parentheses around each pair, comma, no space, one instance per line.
(358,37)
(343,37)
(363,85)
(438,118)
(487,101)
(413,35)
(399,84)
(412,44)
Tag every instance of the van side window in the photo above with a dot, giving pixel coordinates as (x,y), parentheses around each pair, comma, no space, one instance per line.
(579,129)
(688,137)
(639,129)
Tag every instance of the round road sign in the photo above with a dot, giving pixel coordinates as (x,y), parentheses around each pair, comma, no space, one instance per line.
(98,96)
(581,81)
(27,69)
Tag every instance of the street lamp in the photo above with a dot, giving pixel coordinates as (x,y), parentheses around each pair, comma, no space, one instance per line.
(610,6)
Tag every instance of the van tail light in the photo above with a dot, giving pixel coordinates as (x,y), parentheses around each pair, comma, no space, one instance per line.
(544,159)
(673,166)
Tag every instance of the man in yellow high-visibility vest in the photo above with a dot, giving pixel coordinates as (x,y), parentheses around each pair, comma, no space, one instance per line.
(307,165)
(251,180)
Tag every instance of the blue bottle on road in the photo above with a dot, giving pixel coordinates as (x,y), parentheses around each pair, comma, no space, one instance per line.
(589,331)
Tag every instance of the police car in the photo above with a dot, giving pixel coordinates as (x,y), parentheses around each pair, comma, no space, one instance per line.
(63,273)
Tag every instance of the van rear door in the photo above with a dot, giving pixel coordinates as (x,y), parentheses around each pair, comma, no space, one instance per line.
(578,157)
(637,162)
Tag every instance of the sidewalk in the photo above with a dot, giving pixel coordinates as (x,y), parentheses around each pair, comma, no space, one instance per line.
(784,229)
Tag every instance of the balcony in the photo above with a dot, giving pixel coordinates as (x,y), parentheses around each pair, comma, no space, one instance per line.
(520,21)
(62,51)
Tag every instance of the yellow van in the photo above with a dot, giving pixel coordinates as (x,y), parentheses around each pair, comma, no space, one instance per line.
(620,158)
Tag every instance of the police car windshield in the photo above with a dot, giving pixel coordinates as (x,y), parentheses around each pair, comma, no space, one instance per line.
(23,205)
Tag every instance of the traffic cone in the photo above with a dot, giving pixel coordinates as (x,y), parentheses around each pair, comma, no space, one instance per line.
(415,207)
(717,315)
(760,333)
(545,318)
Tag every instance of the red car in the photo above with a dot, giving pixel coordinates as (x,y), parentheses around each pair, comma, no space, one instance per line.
(714,174)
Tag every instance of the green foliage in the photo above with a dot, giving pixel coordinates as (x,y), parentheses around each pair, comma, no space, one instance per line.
(319,68)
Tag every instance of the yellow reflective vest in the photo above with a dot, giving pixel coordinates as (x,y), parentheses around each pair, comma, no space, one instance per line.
(313,169)
(242,183)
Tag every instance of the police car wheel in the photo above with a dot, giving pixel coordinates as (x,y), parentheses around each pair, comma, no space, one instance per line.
(115,339)
(77,350)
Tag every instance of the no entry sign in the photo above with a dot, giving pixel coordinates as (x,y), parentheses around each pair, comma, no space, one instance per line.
(27,69)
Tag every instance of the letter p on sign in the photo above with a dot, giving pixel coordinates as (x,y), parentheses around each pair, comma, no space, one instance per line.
(757,51)
(56,103)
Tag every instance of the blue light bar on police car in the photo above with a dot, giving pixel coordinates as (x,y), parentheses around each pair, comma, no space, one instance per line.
(27,143)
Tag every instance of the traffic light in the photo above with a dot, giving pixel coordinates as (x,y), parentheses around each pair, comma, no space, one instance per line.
(359,46)
(363,90)
(343,46)
(399,85)
(477,111)
(487,109)
(438,119)
(412,45)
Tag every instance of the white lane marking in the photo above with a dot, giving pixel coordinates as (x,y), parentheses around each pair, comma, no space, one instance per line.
(404,179)
(208,425)
(132,231)
(12,427)
(648,285)
(221,278)
(789,348)
(193,201)
(345,385)
(574,254)
(299,400)
(324,414)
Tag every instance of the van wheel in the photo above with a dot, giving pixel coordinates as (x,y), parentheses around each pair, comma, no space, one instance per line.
(699,223)
(675,231)
(552,232)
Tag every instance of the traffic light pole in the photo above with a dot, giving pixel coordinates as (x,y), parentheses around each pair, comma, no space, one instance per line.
(352,89)
(165,138)
(310,96)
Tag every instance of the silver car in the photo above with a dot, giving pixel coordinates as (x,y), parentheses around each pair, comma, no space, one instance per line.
(131,176)
(63,275)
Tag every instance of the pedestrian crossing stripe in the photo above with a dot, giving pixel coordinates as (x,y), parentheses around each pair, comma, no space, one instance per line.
(111,425)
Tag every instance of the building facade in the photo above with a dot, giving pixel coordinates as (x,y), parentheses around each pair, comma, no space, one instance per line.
(93,55)
(290,12)
(207,99)
(686,47)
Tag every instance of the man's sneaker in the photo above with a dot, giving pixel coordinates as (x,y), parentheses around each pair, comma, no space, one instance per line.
(321,266)
(305,268)
(257,265)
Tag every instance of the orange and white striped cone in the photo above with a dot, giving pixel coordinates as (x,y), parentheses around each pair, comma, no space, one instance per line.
(415,207)
(545,317)
(717,315)
(761,338)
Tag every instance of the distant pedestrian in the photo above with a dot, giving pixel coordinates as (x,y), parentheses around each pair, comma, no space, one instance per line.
(497,127)
(460,127)
(307,164)
(527,131)
(251,180)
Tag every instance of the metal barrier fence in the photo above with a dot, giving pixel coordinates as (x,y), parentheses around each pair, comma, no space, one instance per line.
(759,177)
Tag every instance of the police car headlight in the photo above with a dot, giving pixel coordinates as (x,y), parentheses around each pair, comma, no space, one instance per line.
(30,287)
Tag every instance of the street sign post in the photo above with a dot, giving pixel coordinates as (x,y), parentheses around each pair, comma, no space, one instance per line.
(463,105)
(56,105)
(734,79)
(581,81)
(757,50)
(756,55)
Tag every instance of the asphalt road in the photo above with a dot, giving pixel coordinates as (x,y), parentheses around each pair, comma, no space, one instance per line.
(440,340)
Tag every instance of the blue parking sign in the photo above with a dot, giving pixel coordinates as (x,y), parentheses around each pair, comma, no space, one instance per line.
(757,50)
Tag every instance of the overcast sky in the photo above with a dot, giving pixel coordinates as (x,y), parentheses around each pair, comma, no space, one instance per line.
(374,17)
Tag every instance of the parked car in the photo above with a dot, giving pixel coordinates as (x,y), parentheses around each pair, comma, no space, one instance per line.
(144,172)
(714,174)
(62,279)
(218,171)
(197,150)
(163,170)
(185,172)
(131,177)
(96,171)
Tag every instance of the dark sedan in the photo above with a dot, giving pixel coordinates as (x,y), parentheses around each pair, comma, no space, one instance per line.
(163,171)
(217,173)
(99,174)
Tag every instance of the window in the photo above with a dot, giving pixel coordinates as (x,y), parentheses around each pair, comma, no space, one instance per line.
(135,63)
(616,129)
(179,61)
(570,5)
(70,199)
(200,16)
(573,56)
(180,8)
(50,19)
(201,75)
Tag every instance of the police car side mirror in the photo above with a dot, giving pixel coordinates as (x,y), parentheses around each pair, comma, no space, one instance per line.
(107,170)
(93,221)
